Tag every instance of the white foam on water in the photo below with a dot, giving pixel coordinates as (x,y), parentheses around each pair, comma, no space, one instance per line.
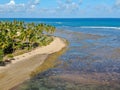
(100,27)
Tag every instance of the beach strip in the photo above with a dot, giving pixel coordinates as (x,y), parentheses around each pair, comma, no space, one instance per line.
(20,69)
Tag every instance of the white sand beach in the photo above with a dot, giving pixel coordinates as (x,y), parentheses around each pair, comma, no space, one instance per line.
(20,69)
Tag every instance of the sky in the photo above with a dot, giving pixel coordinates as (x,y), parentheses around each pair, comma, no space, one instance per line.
(59,8)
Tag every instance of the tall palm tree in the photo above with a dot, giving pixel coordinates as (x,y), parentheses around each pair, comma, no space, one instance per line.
(14,35)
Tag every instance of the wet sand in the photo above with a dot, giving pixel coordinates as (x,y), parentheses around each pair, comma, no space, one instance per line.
(20,69)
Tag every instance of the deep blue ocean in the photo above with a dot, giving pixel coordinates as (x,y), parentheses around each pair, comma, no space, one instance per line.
(74,22)
(92,60)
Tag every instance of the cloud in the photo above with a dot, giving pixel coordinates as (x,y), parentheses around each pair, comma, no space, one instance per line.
(36,1)
(32,6)
(80,1)
(68,1)
(117,3)
(103,8)
(63,7)
(12,6)
(11,3)
(68,6)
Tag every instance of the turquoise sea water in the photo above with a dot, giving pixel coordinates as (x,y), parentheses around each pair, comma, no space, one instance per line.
(92,61)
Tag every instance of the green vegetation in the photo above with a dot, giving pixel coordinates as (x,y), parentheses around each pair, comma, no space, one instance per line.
(1,55)
(19,36)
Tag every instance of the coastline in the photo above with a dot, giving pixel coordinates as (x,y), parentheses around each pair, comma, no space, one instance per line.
(20,69)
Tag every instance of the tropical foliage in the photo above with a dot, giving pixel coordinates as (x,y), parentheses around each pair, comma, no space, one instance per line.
(18,35)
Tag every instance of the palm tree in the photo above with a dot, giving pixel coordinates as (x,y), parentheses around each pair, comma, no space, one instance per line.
(1,55)
(19,35)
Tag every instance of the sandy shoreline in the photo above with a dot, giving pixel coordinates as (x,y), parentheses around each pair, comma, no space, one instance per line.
(20,69)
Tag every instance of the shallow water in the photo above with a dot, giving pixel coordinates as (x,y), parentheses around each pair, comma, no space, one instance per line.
(92,62)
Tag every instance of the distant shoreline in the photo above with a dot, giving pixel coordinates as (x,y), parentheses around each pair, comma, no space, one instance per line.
(20,69)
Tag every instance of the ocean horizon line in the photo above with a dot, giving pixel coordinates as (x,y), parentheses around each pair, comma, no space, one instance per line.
(55,18)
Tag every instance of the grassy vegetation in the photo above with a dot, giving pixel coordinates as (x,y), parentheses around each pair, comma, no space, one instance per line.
(19,36)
